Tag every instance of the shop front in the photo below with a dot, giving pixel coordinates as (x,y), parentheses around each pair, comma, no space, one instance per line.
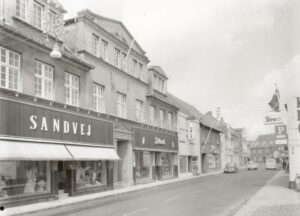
(49,153)
(155,155)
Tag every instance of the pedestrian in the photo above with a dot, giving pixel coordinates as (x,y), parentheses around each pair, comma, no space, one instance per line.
(283,164)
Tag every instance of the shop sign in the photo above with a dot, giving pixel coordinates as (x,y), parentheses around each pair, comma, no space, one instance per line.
(151,139)
(281,136)
(24,120)
(273,118)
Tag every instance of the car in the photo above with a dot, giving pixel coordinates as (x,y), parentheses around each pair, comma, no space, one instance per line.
(251,165)
(231,168)
(271,163)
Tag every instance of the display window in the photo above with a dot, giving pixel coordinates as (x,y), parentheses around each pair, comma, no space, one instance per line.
(90,174)
(167,164)
(24,178)
(143,165)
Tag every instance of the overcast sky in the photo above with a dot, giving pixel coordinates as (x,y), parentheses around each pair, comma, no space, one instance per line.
(217,53)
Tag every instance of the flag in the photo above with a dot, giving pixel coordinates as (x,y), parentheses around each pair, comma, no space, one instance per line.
(274,103)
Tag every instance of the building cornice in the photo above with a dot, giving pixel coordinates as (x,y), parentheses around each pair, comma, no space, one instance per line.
(106,33)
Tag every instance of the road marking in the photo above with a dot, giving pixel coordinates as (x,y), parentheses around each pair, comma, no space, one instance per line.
(171,199)
(134,212)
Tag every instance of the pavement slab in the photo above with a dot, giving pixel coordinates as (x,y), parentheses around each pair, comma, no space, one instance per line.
(274,199)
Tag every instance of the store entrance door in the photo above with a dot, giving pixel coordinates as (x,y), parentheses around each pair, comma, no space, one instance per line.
(62,179)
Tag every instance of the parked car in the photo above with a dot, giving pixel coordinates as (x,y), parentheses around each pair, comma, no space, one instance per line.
(231,168)
(251,165)
(271,163)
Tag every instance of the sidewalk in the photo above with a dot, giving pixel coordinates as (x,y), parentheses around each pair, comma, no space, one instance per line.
(274,199)
(25,209)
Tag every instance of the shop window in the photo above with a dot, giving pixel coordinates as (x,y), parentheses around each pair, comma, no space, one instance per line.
(90,174)
(24,178)
(143,165)
(167,164)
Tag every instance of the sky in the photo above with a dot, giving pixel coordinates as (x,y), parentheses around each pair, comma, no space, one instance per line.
(216,53)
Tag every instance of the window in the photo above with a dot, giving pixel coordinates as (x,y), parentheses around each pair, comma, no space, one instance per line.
(43,80)
(152,115)
(170,121)
(37,15)
(95,44)
(140,72)
(72,89)
(159,83)
(139,111)
(10,69)
(143,165)
(161,118)
(135,71)
(121,104)
(104,50)
(98,98)
(124,61)
(21,9)
(24,177)
(91,174)
(254,151)
(191,131)
(117,59)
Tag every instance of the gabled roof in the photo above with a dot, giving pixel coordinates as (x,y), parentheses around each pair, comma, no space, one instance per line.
(159,70)
(211,122)
(116,34)
(184,107)
(264,140)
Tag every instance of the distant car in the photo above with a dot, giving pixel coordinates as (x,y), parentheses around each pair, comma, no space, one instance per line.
(251,165)
(231,168)
(271,163)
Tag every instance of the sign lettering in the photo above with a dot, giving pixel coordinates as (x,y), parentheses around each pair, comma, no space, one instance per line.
(159,141)
(85,129)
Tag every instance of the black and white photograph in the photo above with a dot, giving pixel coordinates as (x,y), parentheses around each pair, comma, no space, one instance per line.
(150,108)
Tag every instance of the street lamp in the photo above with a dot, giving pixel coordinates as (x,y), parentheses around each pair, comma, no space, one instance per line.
(54,27)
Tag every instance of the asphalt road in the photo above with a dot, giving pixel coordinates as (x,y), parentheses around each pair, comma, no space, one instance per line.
(216,195)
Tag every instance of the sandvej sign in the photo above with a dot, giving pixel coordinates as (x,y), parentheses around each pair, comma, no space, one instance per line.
(150,139)
(24,120)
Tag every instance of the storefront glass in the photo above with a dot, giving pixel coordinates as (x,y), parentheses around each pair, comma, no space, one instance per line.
(167,164)
(90,174)
(24,177)
(183,164)
(143,165)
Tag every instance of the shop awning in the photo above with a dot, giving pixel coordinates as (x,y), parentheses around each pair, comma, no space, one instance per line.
(92,153)
(18,150)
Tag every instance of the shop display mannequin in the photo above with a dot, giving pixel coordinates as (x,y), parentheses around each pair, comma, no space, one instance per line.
(30,180)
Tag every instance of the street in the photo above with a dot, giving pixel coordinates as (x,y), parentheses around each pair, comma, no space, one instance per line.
(216,195)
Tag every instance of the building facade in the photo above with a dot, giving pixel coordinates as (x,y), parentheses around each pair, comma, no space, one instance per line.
(188,128)
(264,146)
(210,144)
(85,121)
(243,147)
(134,93)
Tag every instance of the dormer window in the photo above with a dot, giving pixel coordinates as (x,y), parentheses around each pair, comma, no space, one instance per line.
(159,83)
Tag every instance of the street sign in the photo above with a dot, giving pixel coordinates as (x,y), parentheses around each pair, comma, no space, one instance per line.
(273,118)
